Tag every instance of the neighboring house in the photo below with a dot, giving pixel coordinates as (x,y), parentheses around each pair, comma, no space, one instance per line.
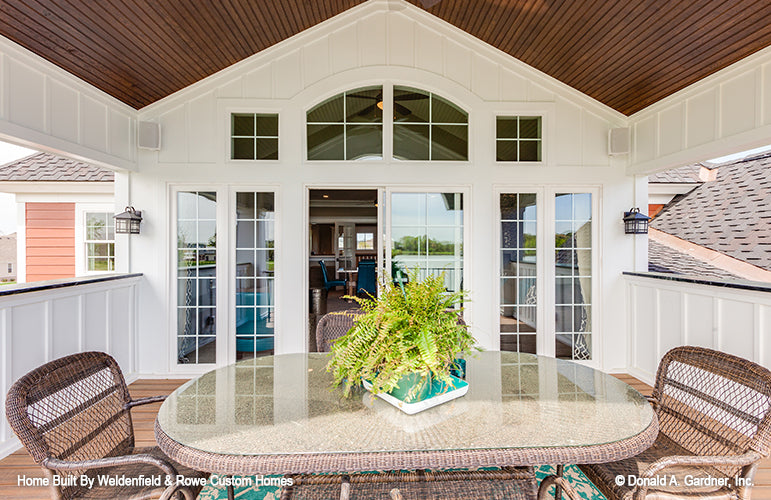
(717,222)
(64,217)
(8,257)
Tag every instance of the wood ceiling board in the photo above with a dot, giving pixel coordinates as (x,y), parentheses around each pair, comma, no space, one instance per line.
(140,51)
(627,54)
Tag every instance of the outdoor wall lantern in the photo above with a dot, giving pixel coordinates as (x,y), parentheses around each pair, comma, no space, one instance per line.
(635,222)
(128,222)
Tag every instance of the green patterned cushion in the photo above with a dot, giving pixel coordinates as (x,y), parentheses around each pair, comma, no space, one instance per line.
(580,483)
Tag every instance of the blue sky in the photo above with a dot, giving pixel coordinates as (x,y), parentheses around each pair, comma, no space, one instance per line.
(9,153)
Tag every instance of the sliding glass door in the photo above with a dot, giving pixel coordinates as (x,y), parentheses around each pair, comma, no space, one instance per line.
(426,231)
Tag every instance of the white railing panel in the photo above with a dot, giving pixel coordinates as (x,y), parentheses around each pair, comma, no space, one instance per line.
(66,311)
(668,311)
(47,320)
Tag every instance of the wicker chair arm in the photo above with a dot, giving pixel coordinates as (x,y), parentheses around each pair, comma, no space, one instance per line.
(143,401)
(730,460)
(57,464)
(561,484)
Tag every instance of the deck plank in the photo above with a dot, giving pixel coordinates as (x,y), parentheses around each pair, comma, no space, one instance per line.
(20,463)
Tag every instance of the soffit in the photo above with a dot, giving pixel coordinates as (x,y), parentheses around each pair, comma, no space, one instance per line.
(627,54)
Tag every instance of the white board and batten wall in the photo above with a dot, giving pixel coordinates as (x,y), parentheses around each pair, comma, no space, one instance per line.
(39,326)
(664,314)
(725,113)
(374,44)
(45,108)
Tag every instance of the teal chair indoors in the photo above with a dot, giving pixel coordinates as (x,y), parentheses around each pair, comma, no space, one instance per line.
(329,284)
(365,281)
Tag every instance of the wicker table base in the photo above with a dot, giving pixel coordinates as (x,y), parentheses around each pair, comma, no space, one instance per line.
(517,483)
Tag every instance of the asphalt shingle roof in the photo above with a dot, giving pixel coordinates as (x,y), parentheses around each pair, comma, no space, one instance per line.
(664,259)
(731,215)
(688,174)
(47,167)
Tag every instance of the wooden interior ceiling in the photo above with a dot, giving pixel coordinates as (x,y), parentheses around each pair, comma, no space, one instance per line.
(627,54)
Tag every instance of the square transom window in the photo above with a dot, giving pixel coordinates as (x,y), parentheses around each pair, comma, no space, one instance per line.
(253,136)
(518,138)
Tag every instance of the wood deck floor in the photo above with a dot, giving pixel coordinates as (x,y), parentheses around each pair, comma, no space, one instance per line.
(20,463)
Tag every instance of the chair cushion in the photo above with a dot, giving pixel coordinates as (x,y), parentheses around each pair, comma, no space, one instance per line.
(702,478)
(140,492)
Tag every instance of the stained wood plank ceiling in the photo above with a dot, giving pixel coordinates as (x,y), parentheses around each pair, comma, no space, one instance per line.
(627,54)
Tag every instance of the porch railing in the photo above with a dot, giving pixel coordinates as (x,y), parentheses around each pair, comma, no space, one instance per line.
(670,310)
(49,319)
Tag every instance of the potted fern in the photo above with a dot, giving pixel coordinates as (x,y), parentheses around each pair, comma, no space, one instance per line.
(406,344)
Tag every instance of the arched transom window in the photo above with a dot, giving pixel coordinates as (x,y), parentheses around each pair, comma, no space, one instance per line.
(425,126)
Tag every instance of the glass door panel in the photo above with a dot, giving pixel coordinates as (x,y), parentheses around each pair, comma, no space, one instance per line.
(427,234)
(518,297)
(254,274)
(573,275)
(196,277)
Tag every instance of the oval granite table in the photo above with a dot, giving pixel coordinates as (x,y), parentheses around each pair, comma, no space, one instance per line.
(279,415)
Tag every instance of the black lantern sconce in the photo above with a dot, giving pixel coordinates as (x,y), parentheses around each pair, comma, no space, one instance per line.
(635,222)
(128,222)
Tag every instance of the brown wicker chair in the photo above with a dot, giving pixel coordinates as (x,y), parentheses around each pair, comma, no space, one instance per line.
(73,416)
(332,326)
(714,412)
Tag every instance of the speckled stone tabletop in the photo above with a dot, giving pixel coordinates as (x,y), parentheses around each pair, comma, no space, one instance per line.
(286,405)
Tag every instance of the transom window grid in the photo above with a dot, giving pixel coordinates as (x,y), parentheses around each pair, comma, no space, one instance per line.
(196,276)
(573,275)
(434,130)
(518,292)
(255,273)
(518,138)
(100,242)
(425,236)
(254,136)
(348,126)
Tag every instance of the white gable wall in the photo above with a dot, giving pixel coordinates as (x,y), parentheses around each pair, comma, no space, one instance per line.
(375,44)
(726,113)
(45,108)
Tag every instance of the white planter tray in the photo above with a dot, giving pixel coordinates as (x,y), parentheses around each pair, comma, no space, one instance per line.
(413,408)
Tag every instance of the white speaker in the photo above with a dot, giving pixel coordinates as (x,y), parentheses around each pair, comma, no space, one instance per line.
(149,136)
(618,141)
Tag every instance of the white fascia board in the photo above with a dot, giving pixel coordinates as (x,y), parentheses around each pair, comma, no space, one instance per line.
(46,187)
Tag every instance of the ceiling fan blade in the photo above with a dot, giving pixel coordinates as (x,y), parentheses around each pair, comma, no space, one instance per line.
(369,109)
(410,97)
(401,109)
